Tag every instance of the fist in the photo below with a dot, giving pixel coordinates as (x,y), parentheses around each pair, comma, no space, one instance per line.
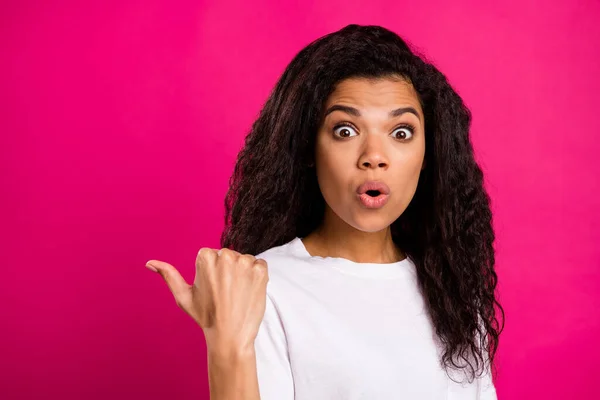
(227,298)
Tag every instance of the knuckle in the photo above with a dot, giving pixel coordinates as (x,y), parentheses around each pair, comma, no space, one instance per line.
(204,251)
(227,254)
(260,263)
(204,258)
(246,259)
(205,254)
(260,268)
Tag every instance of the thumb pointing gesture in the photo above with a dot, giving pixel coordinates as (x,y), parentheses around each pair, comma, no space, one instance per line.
(177,285)
(227,298)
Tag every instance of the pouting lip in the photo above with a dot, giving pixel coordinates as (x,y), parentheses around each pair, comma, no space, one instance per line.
(373,185)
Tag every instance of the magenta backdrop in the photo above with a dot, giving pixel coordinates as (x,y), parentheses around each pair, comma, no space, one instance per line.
(120,124)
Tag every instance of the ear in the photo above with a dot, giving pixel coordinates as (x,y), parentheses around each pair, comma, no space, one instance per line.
(424,164)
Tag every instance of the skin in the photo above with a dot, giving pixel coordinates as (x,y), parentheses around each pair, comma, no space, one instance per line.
(375,148)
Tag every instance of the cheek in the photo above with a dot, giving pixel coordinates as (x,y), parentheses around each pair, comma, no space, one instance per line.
(406,182)
(334,175)
(334,178)
(333,164)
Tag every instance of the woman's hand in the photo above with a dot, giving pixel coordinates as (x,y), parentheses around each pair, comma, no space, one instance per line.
(227,299)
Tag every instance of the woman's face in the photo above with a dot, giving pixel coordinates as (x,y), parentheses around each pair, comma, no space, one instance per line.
(362,139)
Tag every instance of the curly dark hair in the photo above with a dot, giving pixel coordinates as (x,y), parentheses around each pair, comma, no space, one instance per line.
(447,227)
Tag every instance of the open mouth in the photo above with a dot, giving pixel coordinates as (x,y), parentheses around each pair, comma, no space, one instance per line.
(373,193)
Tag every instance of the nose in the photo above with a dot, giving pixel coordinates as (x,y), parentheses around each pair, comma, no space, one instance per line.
(374,161)
(373,156)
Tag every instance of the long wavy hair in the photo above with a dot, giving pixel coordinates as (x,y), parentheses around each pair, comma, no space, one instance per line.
(447,227)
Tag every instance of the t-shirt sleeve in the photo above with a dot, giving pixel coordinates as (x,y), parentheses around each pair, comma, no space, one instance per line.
(273,367)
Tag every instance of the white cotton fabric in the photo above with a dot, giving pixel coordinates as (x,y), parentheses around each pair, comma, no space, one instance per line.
(338,330)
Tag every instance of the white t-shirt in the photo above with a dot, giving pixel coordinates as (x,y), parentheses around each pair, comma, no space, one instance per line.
(335,329)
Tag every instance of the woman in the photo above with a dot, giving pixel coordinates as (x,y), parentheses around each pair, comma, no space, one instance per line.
(358,189)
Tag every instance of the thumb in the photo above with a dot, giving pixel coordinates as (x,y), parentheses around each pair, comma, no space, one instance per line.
(177,285)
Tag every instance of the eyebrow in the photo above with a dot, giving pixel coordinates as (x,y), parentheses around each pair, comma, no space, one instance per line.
(355,113)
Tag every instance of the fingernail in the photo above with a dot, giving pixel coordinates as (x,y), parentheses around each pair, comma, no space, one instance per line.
(151,267)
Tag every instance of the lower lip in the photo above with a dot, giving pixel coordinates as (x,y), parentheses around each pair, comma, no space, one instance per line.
(373,202)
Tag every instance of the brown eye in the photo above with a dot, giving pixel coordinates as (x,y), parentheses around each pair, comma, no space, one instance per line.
(343,130)
(406,132)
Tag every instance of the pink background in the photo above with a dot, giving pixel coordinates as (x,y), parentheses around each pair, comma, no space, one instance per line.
(120,124)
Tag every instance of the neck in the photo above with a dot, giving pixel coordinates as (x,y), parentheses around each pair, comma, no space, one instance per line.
(335,238)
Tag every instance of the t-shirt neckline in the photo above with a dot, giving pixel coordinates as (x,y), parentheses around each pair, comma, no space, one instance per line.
(367,270)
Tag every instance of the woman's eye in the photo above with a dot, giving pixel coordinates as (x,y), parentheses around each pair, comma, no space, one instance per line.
(403,132)
(406,131)
(343,131)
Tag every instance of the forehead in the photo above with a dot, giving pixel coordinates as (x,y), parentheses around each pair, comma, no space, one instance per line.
(371,92)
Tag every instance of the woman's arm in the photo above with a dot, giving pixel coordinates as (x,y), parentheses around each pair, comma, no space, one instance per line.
(232,375)
(260,372)
(228,301)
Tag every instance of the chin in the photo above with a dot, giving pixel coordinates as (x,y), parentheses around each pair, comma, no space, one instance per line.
(371,224)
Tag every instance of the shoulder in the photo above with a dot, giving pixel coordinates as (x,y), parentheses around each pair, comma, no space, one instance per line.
(279,257)
(284,264)
(276,251)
